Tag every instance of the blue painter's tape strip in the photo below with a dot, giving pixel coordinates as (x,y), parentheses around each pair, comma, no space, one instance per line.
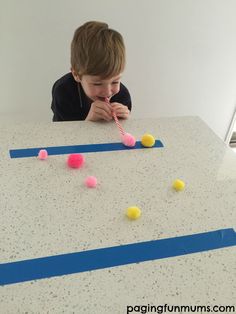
(90,148)
(65,264)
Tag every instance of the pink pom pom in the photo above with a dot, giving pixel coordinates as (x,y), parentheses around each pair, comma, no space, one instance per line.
(128,140)
(91,182)
(43,154)
(75,160)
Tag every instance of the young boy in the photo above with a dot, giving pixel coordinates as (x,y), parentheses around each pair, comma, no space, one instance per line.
(93,88)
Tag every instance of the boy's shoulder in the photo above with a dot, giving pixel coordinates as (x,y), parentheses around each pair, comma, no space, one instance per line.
(66,82)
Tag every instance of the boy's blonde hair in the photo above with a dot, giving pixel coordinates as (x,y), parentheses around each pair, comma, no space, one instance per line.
(97,50)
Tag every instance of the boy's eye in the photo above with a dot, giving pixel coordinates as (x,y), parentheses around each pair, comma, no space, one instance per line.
(100,84)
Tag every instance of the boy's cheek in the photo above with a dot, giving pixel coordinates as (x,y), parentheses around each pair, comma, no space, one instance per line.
(117,89)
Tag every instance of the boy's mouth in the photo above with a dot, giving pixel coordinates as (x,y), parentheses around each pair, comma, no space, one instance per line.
(101,98)
(104,98)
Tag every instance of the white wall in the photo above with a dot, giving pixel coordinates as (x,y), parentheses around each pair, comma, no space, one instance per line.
(181,54)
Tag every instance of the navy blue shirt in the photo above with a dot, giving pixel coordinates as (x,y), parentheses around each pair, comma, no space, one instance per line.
(69,102)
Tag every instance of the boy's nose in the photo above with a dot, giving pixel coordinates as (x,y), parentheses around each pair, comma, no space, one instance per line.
(107,92)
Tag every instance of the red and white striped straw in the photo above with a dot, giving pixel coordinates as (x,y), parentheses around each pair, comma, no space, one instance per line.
(121,130)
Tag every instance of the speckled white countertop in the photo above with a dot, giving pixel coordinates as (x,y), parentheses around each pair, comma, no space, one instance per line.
(45,210)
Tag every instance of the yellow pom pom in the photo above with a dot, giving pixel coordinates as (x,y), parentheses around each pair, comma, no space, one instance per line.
(133,212)
(178,185)
(148,140)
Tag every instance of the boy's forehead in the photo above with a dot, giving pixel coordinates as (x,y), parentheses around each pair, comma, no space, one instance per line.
(100,78)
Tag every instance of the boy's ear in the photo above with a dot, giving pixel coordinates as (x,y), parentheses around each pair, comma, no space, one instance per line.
(75,75)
